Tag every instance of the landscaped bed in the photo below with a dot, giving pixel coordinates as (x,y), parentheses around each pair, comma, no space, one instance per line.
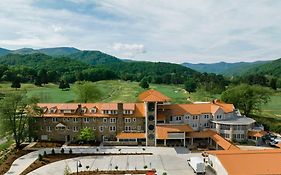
(116,172)
(5,166)
(42,144)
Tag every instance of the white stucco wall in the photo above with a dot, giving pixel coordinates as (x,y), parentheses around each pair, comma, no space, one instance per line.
(218,167)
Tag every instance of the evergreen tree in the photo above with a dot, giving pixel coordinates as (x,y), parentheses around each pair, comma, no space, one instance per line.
(144,83)
(16,83)
(37,81)
(273,83)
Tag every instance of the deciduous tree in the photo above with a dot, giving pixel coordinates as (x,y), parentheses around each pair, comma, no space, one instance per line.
(246,97)
(15,110)
(86,91)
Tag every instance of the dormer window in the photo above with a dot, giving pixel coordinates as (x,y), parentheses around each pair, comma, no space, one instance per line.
(84,110)
(53,110)
(94,110)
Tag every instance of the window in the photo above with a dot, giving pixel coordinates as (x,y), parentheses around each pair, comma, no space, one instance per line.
(75,120)
(127,112)
(127,128)
(195,117)
(49,129)
(138,128)
(206,116)
(104,120)
(101,128)
(112,120)
(94,110)
(66,119)
(127,120)
(194,125)
(45,120)
(84,110)
(86,120)
(112,128)
(134,119)
(219,116)
(94,119)
(94,128)
(54,119)
(75,129)
(53,110)
(206,124)
(42,127)
(178,118)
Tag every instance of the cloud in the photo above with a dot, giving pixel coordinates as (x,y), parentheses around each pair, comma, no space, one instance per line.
(176,31)
(129,50)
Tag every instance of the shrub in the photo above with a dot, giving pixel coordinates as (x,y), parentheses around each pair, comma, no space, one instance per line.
(62,151)
(40,157)
(45,153)
(164,173)
(70,151)
(116,167)
(145,166)
(53,151)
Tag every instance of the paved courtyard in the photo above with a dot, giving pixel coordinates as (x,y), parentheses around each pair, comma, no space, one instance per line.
(173,161)
(170,160)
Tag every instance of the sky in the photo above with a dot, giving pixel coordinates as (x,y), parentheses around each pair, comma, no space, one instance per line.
(154,30)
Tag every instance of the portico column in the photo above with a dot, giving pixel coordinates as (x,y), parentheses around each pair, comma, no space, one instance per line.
(184,142)
(217,146)
(231,133)
(191,140)
(165,142)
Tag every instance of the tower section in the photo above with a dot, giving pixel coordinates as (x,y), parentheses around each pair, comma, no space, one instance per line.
(151,99)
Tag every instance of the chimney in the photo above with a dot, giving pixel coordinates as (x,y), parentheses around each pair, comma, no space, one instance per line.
(120,109)
(79,109)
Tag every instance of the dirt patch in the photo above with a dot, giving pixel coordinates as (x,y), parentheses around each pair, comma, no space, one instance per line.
(5,166)
(47,144)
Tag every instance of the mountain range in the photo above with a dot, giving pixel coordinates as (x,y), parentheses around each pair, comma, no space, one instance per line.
(224,68)
(93,57)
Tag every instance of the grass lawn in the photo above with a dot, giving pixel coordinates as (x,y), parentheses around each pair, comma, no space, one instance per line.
(112,91)
(7,144)
(274,105)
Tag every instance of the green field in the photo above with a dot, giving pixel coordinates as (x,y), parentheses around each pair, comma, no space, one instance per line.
(273,107)
(111,90)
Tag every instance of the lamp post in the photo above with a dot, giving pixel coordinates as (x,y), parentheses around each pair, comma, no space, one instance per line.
(78,165)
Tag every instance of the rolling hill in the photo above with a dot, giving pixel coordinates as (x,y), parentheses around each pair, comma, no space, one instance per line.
(271,68)
(94,57)
(4,51)
(224,68)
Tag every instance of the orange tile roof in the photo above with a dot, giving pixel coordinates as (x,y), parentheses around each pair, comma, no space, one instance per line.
(139,110)
(153,96)
(256,133)
(161,116)
(225,106)
(163,130)
(250,162)
(226,145)
(130,135)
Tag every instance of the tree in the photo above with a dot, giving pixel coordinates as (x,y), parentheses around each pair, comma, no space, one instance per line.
(273,83)
(37,81)
(15,109)
(16,83)
(144,83)
(86,134)
(246,97)
(86,91)
(64,85)
(190,85)
(43,76)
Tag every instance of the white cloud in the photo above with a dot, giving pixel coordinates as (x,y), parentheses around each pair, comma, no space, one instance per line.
(129,50)
(176,31)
